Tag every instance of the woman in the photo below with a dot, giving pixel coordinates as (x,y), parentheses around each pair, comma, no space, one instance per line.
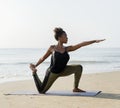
(59,58)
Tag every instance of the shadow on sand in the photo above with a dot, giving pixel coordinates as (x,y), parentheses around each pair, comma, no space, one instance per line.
(108,96)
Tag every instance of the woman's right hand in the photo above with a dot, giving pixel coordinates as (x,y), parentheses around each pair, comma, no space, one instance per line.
(33,67)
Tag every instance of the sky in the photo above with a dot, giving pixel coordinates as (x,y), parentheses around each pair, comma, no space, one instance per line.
(30,23)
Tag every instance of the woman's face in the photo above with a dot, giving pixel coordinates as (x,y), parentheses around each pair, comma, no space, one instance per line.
(63,38)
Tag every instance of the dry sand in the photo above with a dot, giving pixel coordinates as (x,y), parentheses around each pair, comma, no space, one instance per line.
(108,83)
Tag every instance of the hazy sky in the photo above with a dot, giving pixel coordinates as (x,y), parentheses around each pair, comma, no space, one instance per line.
(30,23)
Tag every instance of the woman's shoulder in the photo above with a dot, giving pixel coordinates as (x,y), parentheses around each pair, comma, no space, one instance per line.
(51,48)
(67,48)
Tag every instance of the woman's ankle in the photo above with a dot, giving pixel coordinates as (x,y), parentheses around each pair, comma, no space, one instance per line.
(78,90)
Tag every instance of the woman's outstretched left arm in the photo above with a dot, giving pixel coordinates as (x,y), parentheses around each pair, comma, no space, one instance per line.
(85,43)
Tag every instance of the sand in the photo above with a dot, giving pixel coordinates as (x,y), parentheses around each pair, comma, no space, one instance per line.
(108,83)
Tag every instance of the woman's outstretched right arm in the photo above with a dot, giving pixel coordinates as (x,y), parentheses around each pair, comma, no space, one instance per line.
(47,54)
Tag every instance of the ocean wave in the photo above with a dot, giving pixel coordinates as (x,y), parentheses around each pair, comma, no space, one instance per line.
(19,63)
(71,61)
(90,62)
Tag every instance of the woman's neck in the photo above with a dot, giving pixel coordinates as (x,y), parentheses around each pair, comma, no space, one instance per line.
(60,45)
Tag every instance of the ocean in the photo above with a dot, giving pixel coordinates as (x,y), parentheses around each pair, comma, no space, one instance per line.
(14,62)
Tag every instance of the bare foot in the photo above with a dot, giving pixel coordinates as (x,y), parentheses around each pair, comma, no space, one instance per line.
(33,68)
(78,90)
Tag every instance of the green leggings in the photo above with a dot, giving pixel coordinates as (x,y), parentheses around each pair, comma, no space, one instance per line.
(50,77)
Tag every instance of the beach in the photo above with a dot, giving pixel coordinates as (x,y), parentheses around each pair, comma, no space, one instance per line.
(52,35)
(107,82)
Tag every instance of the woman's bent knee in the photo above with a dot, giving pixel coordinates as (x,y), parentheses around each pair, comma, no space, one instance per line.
(80,67)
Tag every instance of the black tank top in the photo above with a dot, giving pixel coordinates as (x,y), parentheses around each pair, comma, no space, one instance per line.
(59,61)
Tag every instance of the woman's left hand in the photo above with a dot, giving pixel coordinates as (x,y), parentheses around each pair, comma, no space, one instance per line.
(97,41)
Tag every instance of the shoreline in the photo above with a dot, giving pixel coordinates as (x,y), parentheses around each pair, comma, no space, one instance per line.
(26,79)
(108,83)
